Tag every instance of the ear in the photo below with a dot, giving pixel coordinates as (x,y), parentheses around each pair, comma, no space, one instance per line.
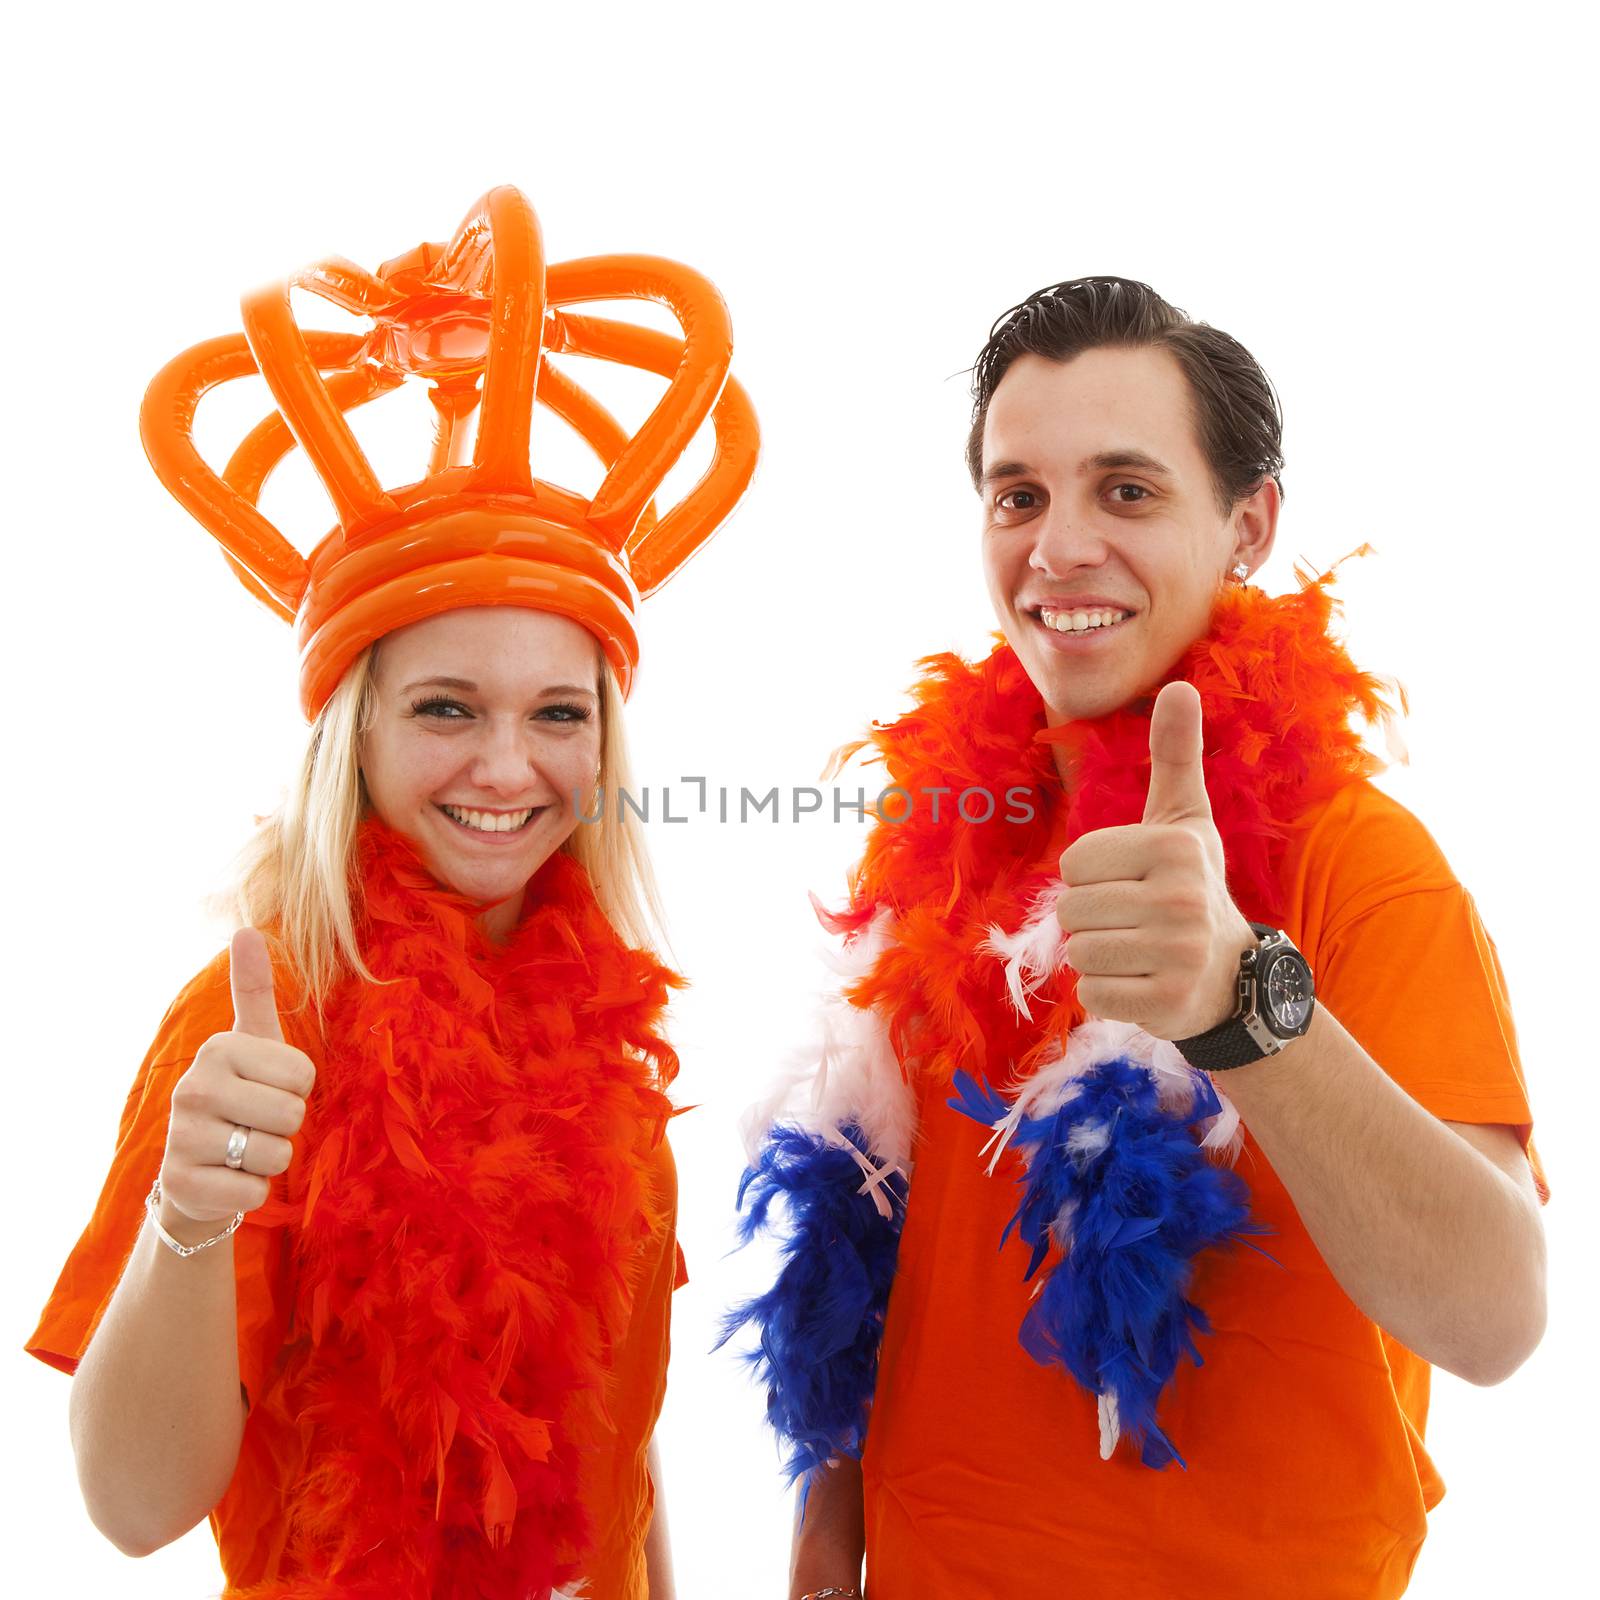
(1254,526)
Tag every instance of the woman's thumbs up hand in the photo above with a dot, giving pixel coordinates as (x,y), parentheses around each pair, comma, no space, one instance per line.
(247,1080)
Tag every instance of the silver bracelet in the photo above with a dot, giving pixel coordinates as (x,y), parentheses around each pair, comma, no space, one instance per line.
(152,1202)
(833,1589)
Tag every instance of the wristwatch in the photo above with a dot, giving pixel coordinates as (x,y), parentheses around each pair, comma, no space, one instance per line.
(1276,1000)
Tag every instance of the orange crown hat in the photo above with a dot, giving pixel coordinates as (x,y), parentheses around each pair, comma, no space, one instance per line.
(473,319)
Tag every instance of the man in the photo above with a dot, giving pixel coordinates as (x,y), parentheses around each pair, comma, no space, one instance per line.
(1032,1424)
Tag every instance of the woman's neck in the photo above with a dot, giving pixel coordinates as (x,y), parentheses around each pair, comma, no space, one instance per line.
(498,921)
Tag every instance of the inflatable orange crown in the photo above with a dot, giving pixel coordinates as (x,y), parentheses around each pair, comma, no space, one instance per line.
(472,318)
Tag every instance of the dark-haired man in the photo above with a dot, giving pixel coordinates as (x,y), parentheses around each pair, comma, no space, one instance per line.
(1273,926)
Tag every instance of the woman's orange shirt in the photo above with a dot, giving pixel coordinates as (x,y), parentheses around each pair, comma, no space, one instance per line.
(246,1521)
(1303,1432)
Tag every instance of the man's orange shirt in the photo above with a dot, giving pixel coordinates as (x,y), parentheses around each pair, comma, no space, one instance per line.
(1303,1432)
(247,1522)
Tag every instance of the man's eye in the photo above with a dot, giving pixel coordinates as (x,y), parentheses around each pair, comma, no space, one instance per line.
(1017,500)
(1129,494)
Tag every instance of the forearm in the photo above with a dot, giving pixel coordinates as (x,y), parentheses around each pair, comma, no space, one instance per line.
(831,1540)
(1426,1236)
(156,1411)
(657,1544)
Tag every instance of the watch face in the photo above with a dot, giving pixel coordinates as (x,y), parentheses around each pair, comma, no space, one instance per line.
(1287,993)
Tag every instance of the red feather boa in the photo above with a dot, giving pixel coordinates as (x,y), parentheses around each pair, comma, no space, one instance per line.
(1277,694)
(465,1205)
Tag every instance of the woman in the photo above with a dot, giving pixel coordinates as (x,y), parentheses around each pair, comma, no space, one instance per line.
(407,1137)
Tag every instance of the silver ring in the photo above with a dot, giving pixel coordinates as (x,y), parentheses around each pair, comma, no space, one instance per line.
(237,1140)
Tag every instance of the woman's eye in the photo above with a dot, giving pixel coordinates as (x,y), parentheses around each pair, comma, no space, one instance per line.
(565,713)
(441,709)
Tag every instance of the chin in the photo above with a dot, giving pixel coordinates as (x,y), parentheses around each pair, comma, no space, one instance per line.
(483,885)
(1075,697)
(480,876)
(487,885)
(1085,707)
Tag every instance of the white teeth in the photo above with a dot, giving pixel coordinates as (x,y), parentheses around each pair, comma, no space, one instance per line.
(487,821)
(1080,621)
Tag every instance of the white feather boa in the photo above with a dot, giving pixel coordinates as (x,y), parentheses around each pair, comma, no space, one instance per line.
(848,1073)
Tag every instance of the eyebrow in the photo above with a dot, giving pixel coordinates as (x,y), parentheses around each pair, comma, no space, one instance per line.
(470,687)
(1108,459)
(1105,461)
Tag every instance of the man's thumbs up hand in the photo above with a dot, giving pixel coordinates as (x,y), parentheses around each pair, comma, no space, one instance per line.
(1153,933)
(1177,775)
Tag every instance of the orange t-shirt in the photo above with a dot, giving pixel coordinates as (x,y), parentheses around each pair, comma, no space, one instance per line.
(246,1522)
(1303,1432)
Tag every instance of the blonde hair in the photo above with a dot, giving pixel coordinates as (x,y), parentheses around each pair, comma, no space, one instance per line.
(294,874)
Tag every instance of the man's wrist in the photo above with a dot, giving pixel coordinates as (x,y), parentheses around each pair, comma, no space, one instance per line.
(1274,1004)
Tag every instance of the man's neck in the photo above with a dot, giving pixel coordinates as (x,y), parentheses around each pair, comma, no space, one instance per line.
(1058,754)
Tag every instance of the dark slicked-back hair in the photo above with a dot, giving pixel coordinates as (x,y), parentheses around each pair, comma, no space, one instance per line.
(1237,419)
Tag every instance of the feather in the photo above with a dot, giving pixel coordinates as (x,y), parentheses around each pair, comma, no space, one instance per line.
(820,1323)
(464,1224)
(1035,952)
(1177,1085)
(849,1076)
(1117,1189)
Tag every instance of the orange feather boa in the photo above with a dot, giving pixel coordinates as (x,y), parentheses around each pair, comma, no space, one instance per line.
(465,1208)
(1277,695)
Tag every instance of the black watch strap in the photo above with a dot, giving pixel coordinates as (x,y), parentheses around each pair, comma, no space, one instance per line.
(1221,1048)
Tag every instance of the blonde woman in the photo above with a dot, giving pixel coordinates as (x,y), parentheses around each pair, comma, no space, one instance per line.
(394,1174)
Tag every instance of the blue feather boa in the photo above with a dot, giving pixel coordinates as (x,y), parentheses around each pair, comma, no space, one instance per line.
(1123,1189)
(821,1322)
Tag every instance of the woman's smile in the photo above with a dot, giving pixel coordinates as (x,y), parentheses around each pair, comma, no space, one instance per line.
(492,824)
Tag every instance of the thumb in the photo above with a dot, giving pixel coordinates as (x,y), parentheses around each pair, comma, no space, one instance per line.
(255,1007)
(1177,777)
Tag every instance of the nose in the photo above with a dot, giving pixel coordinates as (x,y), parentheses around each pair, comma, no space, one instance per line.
(1063,543)
(502,762)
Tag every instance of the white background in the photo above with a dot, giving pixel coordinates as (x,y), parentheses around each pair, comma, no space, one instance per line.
(1382,202)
